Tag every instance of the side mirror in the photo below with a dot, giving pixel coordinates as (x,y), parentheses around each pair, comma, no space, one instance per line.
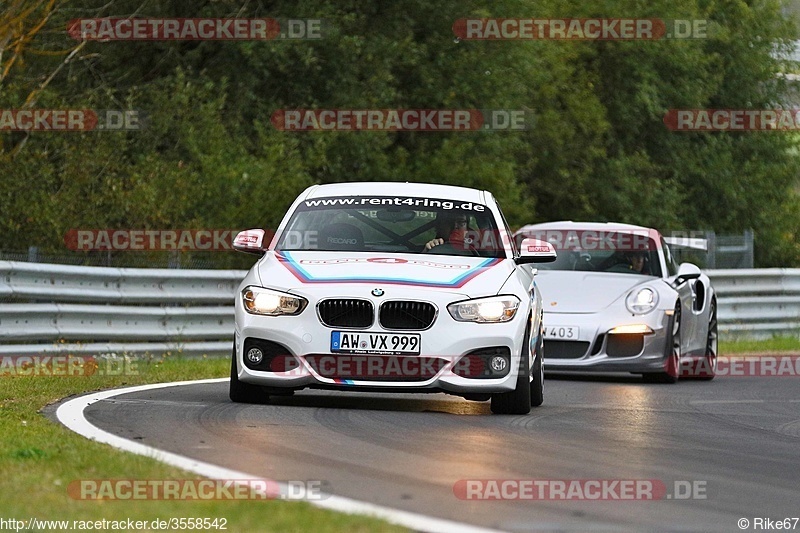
(536,251)
(250,241)
(687,271)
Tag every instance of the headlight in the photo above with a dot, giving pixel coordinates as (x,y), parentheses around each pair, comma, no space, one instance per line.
(631,329)
(641,301)
(485,310)
(261,301)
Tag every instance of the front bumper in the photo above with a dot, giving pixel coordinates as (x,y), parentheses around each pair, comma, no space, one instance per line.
(307,341)
(594,349)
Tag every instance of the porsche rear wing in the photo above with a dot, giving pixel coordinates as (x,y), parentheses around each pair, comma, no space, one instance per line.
(687,242)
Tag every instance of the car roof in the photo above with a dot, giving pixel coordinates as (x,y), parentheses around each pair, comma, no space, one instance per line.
(398,188)
(592,226)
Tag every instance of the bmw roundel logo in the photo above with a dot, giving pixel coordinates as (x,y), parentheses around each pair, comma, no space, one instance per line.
(377,292)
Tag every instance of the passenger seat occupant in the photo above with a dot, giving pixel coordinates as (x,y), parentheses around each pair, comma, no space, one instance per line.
(340,236)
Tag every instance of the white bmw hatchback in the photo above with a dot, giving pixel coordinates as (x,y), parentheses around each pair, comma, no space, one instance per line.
(391,287)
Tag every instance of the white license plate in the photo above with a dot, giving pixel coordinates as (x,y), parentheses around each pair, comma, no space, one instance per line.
(562,332)
(378,343)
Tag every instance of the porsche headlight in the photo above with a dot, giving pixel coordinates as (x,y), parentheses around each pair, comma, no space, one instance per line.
(641,301)
(261,301)
(485,310)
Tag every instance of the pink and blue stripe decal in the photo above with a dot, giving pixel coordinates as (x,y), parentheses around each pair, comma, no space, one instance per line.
(459,281)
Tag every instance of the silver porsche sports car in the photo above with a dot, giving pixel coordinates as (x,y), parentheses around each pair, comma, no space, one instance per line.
(616,301)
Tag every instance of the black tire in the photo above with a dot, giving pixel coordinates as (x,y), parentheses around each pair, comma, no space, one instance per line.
(240,392)
(517,401)
(712,344)
(537,383)
(672,364)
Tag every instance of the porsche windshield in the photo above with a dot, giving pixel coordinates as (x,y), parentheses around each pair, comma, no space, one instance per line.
(392,225)
(624,252)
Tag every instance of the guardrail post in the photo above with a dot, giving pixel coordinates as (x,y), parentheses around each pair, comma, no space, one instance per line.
(748,246)
(175,259)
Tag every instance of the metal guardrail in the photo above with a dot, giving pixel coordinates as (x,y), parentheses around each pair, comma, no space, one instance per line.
(758,303)
(90,310)
(67,283)
(55,309)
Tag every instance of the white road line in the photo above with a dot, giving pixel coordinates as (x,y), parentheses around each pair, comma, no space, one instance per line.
(71,414)
(158,402)
(726,401)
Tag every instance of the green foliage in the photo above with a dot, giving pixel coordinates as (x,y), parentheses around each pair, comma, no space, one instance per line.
(209,157)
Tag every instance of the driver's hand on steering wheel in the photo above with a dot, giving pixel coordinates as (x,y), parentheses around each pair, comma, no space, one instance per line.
(433,242)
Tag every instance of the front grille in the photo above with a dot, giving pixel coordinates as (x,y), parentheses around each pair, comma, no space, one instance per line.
(625,345)
(564,349)
(407,315)
(346,313)
(598,344)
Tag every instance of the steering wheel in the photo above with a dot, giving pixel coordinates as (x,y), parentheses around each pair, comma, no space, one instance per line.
(582,262)
(449,249)
(621,268)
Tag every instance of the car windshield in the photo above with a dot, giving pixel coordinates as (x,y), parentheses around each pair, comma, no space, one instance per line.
(392,225)
(624,252)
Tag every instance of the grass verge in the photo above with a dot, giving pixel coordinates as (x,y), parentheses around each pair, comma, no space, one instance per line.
(38,460)
(783,344)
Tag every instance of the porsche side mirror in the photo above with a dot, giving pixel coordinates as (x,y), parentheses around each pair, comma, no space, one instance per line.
(535,251)
(686,272)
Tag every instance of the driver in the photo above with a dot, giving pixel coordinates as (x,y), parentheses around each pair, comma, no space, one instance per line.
(451,228)
(638,262)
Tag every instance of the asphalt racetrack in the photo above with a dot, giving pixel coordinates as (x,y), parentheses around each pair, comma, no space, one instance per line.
(719,451)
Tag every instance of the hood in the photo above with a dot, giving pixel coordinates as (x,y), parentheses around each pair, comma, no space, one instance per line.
(301,271)
(584,292)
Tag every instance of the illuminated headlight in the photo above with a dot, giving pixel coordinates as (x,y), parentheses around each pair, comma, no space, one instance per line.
(631,329)
(641,301)
(485,310)
(260,301)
